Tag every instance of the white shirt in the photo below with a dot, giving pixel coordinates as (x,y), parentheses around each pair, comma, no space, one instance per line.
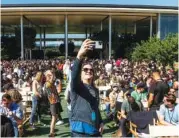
(120,96)
(108,67)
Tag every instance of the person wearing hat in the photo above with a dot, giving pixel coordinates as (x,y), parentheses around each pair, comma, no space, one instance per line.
(169,112)
(140,94)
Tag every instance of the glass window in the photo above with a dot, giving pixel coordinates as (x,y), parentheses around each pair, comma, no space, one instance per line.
(169,24)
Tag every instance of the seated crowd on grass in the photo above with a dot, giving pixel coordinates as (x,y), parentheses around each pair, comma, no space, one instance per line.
(124,86)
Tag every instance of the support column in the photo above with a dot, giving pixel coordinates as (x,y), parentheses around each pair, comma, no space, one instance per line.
(22,38)
(30,54)
(44,37)
(135,28)
(151,27)
(40,38)
(101,52)
(110,26)
(158,25)
(101,25)
(86,32)
(3,30)
(90,31)
(44,32)
(66,36)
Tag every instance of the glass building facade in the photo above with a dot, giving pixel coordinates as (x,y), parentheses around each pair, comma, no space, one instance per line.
(168,24)
(57,23)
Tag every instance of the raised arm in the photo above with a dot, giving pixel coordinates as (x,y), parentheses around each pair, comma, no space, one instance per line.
(75,75)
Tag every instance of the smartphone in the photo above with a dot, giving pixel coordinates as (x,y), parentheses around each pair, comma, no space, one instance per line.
(98,45)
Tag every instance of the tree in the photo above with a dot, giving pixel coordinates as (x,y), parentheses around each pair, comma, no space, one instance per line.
(168,52)
(163,51)
(62,48)
(29,37)
(9,48)
(71,47)
(121,44)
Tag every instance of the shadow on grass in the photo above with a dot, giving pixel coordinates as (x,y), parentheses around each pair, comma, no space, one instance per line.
(37,132)
(65,134)
(110,130)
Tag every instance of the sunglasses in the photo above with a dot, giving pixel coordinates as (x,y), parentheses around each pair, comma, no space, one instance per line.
(87,69)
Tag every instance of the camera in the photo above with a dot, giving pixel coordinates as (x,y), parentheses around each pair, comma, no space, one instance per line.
(98,45)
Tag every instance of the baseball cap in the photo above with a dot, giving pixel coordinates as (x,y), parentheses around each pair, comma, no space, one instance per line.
(141,85)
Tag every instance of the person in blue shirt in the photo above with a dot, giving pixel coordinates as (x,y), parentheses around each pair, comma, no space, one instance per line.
(169,112)
(13,112)
(86,119)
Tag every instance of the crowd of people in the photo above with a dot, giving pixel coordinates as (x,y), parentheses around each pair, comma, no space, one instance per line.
(91,84)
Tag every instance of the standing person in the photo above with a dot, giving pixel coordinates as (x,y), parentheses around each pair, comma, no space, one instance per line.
(36,88)
(157,90)
(66,69)
(53,98)
(58,84)
(86,119)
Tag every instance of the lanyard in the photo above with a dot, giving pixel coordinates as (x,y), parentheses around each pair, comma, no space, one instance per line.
(171,115)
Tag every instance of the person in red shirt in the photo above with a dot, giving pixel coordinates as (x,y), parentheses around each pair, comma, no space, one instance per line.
(118,62)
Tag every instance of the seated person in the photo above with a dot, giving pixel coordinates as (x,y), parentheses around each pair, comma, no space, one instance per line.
(113,97)
(101,81)
(13,112)
(133,83)
(114,79)
(119,99)
(140,95)
(169,112)
(125,108)
(16,98)
(126,89)
(107,102)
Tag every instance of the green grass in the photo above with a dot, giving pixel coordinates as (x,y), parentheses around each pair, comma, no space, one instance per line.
(63,130)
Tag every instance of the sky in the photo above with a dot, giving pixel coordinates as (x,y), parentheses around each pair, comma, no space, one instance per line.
(117,2)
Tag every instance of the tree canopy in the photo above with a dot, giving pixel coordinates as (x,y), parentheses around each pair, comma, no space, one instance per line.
(164,51)
(71,47)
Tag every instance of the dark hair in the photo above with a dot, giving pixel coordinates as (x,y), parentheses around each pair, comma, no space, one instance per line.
(86,63)
(135,107)
(8,86)
(171,98)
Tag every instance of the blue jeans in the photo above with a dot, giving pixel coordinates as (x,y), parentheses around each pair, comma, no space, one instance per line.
(35,105)
(107,108)
(78,135)
(69,116)
(16,131)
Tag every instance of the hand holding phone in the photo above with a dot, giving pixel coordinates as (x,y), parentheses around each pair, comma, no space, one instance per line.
(87,45)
